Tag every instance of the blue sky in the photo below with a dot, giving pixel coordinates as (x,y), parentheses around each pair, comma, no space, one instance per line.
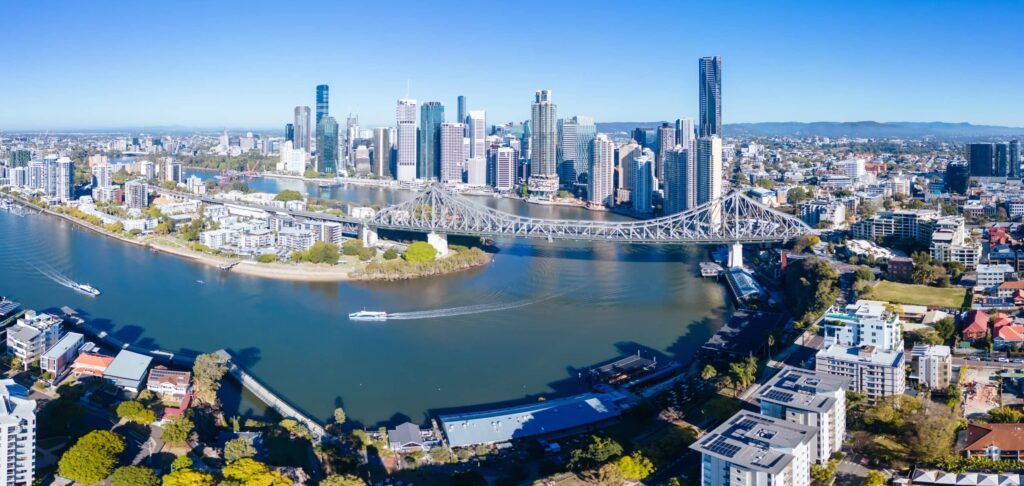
(97,64)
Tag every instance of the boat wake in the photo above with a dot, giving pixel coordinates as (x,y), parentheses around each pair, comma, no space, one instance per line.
(469,309)
(52,274)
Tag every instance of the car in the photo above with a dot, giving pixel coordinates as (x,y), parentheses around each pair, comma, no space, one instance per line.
(1017,360)
(973,358)
(1003,360)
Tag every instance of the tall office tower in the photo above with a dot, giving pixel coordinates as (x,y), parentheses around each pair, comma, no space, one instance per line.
(381,162)
(18,436)
(624,160)
(361,160)
(431,118)
(643,184)
(65,182)
(710,96)
(684,131)
(1015,170)
(476,128)
(566,152)
(679,182)
(646,137)
(709,169)
(405,118)
(322,99)
(666,142)
(303,134)
(452,156)
(462,110)
(1002,162)
(476,171)
(289,132)
(586,131)
(504,168)
(136,194)
(327,146)
(957,177)
(981,158)
(544,133)
(601,181)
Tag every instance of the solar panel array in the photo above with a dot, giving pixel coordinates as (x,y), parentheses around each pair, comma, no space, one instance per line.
(779,395)
(722,447)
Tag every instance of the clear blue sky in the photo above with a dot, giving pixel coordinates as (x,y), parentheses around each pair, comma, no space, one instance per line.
(96,64)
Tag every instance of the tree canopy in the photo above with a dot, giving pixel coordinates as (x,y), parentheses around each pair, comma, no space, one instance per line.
(134,476)
(135,411)
(239,448)
(251,471)
(188,477)
(810,287)
(344,480)
(635,466)
(288,195)
(420,252)
(320,252)
(177,431)
(92,458)
(206,375)
(598,450)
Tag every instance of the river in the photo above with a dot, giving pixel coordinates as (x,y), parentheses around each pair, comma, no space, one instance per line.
(520,327)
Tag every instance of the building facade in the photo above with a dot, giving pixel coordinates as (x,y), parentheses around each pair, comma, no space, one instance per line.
(600,183)
(431,118)
(751,449)
(405,119)
(544,133)
(710,96)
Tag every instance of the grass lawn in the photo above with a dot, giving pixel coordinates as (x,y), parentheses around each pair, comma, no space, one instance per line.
(901,293)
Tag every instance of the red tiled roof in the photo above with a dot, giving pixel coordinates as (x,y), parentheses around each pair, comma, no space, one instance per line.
(1007,437)
(1014,284)
(977,323)
(1011,333)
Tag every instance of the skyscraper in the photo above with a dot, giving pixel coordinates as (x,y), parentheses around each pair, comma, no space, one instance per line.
(1002,162)
(476,128)
(405,118)
(957,177)
(586,131)
(1015,170)
(452,156)
(981,158)
(431,118)
(680,186)
(380,165)
(601,184)
(566,152)
(462,110)
(327,146)
(625,154)
(709,170)
(504,168)
(544,133)
(643,184)
(18,435)
(666,142)
(65,179)
(710,96)
(322,99)
(289,132)
(303,133)
(684,132)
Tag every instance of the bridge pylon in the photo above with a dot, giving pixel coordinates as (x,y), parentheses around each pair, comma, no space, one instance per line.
(736,255)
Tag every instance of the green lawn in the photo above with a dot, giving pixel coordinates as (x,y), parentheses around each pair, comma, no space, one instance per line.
(900,293)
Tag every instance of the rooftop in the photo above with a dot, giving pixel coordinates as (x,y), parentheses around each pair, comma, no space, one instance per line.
(1007,437)
(128,365)
(755,442)
(803,389)
(863,354)
(71,340)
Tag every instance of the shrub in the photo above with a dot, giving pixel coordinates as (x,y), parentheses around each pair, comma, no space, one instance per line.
(390,254)
(420,252)
(266,258)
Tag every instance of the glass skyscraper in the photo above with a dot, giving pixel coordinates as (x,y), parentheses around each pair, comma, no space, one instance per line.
(544,127)
(431,118)
(322,98)
(462,110)
(710,96)
(327,146)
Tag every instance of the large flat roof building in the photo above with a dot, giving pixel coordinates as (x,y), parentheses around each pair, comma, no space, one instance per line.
(809,398)
(872,372)
(751,449)
(128,370)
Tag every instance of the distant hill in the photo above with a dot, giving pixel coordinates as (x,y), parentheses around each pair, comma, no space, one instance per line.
(863,129)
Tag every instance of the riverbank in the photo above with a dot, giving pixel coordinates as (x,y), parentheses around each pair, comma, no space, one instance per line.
(351,270)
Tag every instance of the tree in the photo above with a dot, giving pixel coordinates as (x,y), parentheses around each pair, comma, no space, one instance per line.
(597,451)
(206,375)
(390,254)
(311,174)
(177,431)
(875,478)
(863,273)
(923,336)
(134,476)
(266,258)
(744,373)
(343,480)
(188,477)
(181,462)
(320,252)
(92,458)
(946,328)
(251,471)
(135,411)
(339,416)
(708,373)
(420,252)
(635,466)
(810,288)
(931,432)
(889,415)
(804,242)
(1005,415)
(609,475)
(796,195)
(288,195)
(236,449)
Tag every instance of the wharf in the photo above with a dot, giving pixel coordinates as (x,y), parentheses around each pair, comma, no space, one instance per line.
(746,333)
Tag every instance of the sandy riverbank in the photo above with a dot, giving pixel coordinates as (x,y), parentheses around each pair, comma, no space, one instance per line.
(301,272)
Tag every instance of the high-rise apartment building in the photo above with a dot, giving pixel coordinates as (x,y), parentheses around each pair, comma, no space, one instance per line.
(710,96)
(1015,170)
(685,134)
(751,449)
(586,131)
(679,180)
(322,103)
(289,132)
(476,171)
(65,182)
(709,169)
(380,164)
(405,120)
(504,168)
(452,155)
(642,192)
(476,130)
(303,135)
(136,194)
(18,434)
(807,397)
(666,141)
(601,183)
(103,176)
(327,146)
(624,162)
(544,133)
(431,118)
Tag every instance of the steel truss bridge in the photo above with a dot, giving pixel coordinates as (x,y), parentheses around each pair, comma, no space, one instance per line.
(733,218)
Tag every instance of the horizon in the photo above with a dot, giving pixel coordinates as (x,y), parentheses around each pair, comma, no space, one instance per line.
(216,65)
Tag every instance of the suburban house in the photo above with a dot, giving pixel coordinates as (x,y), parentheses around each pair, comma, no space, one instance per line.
(1010,289)
(1008,336)
(995,441)
(163,381)
(406,438)
(89,364)
(975,326)
(128,370)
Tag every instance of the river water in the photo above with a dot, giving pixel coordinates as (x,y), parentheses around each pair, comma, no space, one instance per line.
(521,327)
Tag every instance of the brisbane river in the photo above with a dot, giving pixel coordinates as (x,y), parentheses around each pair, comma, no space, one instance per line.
(519,328)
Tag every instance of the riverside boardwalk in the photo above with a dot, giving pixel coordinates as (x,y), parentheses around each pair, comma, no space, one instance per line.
(249,382)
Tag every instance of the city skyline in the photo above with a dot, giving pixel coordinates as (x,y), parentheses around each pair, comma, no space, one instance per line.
(214,71)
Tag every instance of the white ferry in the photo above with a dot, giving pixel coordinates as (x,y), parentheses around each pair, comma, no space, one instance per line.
(365,315)
(86,289)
